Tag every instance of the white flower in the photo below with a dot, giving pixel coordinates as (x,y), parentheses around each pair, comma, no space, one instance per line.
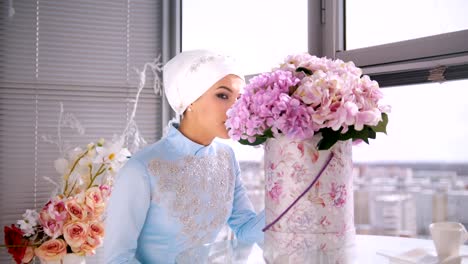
(61,166)
(31,215)
(29,221)
(114,155)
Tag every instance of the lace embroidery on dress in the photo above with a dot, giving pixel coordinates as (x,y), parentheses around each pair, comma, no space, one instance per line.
(196,190)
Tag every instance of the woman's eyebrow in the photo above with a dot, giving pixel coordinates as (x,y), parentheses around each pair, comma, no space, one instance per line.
(226,88)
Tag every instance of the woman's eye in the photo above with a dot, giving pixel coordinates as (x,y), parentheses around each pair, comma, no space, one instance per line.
(222,96)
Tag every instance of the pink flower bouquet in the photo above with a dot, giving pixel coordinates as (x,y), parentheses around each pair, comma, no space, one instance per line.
(72,220)
(305,96)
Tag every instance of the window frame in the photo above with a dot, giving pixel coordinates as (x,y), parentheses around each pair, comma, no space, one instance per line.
(171,46)
(434,58)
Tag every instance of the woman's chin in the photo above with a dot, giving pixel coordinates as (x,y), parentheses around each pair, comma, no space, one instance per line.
(224,135)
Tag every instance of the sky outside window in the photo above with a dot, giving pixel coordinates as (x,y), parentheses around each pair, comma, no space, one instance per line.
(259,33)
(370,22)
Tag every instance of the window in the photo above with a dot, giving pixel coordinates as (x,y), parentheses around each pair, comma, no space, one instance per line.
(361,32)
(428,119)
(80,53)
(393,21)
(258,34)
(418,172)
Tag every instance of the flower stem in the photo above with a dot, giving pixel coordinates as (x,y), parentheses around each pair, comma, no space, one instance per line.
(71,170)
(19,246)
(72,188)
(99,172)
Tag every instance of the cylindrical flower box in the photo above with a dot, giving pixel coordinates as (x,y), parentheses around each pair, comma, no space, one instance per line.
(320,224)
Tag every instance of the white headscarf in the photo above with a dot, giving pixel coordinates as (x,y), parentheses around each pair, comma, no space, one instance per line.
(190,74)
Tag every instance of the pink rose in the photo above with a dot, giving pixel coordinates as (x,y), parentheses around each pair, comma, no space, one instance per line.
(95,201)
(51,227)
(95,235)
(52,250)
(105,191)
(75,233)
(94,239)
(75,210)
(88,249)
(53,216)
(96,229)
(56,209)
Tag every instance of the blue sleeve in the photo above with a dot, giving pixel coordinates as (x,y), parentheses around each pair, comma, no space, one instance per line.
(245,223)
(126,213)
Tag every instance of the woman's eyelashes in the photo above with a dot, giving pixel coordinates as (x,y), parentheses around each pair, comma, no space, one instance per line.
(222,96)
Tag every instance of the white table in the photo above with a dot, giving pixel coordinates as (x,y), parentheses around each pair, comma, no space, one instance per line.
(368,246)
(366,251)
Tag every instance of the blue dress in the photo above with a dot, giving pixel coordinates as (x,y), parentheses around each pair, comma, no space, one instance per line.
(173,195)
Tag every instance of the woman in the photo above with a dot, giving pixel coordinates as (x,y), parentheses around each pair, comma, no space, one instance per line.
(180,191)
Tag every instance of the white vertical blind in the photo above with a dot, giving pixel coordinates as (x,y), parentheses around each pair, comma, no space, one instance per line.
(82,53)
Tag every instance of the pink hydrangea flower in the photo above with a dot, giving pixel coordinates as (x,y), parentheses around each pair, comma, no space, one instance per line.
(303,96)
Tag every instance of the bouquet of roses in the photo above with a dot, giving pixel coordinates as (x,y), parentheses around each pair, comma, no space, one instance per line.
(71,221)
(305,96)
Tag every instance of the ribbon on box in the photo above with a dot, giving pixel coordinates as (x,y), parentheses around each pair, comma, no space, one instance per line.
(301,195)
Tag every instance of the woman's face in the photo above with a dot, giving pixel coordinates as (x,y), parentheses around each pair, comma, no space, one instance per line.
(209,111)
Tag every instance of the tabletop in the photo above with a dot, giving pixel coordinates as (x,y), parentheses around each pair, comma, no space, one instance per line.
(368,249)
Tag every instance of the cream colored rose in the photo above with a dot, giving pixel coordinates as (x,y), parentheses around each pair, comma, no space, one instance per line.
(75,210)
(96,234)
(28,255)
(75,233)
(88,249)
(94,238)
(96,229)
(95,200)
(51,250)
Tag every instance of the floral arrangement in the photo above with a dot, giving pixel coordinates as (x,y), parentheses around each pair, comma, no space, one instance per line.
(305,96)
(72,220)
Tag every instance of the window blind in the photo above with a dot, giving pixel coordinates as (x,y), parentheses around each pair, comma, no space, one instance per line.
(83,54)
(434,74)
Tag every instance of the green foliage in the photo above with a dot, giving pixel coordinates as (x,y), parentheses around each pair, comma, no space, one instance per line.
(330,137)
(304,70)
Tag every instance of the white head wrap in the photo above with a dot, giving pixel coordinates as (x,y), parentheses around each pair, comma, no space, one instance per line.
(190,74)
